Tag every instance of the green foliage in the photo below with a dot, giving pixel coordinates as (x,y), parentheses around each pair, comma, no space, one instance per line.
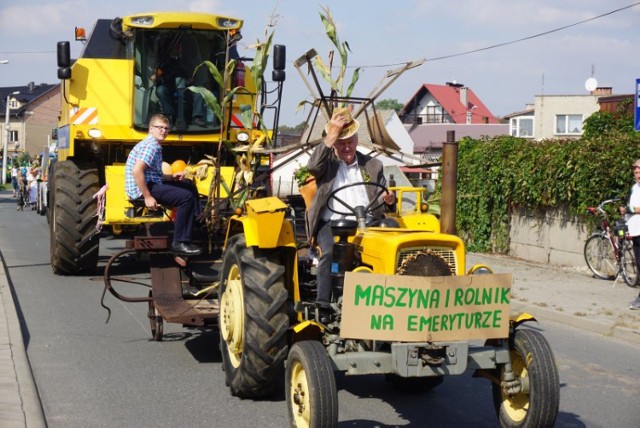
(212,101)
(325,70)
(389,104)
(258,67)
(301,175)
(498,175)
(604,122)
(298,129)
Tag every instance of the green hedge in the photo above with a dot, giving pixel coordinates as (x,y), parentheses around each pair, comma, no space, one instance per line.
(497,175)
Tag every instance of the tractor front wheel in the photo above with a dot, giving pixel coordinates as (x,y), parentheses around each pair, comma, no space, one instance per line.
(310,386)
(253,319)
(532,362)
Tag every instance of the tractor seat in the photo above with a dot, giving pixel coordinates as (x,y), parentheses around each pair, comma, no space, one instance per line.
(138,209)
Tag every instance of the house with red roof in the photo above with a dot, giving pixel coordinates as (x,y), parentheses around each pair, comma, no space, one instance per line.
(435,109)
(450,103)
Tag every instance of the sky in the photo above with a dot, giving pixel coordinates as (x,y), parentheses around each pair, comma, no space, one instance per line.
(381,35)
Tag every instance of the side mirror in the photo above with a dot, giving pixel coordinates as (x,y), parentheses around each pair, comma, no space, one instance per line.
(64,54)
(279,63)
(64,61)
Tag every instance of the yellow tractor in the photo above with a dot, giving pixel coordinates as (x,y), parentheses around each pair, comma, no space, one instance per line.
(405,304)
(269,323)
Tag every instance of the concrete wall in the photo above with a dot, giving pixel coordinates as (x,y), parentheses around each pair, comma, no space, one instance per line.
(550,237)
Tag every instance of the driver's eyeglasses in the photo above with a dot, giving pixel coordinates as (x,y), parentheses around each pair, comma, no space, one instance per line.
(164,128)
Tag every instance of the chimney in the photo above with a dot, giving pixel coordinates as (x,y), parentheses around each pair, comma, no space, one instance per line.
(602,91)
(31,86)
(463,97)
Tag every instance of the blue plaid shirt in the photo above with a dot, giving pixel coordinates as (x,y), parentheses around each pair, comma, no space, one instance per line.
(148,151)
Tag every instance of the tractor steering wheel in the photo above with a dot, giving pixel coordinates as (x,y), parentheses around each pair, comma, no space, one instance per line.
(357,212)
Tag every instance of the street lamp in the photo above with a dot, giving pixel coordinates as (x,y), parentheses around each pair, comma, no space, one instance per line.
(4,61)
(6,139)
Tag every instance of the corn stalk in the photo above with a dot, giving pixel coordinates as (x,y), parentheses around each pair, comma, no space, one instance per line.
(343,49)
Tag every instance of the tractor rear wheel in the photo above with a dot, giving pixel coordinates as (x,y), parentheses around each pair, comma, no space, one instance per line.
(74,243)
(537,405)
(253,319)
(310,386)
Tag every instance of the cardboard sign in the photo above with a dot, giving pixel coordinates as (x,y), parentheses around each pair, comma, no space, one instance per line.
(431,309)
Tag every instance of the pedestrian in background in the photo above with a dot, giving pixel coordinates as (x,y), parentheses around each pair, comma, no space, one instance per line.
(14,179)
(633,223)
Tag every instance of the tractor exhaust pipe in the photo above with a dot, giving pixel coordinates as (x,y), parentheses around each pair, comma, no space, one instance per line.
(449,184)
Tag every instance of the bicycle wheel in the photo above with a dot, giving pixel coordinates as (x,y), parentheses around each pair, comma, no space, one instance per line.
(629,267)
(600,257)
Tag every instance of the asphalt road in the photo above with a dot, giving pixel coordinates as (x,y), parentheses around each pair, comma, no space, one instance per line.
(92,374)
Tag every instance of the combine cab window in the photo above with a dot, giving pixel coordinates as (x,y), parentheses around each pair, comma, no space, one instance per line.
(165,65)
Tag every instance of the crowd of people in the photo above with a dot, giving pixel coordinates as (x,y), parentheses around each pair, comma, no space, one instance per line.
(24,180)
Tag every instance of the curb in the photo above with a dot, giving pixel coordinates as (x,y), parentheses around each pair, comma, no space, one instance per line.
(27,389)
(605,329)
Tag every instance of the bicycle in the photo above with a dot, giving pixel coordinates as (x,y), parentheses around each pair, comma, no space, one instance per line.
(609,251)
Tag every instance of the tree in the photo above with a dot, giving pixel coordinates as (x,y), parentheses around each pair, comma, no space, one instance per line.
(292,129)
(389,104)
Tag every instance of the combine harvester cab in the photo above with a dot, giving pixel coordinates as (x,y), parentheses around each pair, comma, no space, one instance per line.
(108,96)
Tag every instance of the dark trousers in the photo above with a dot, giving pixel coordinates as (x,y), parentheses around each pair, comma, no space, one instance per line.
(323,278)
(184,197)
(636,253)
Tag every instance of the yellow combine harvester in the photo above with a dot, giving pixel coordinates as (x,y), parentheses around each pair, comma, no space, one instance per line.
(108,96)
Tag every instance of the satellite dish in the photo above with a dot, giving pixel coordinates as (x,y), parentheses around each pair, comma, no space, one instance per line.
(591,84)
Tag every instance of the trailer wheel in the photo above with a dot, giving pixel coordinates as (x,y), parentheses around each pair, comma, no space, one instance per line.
(310,386)
(532,361)
(253,319)
(74,243)
(155,321)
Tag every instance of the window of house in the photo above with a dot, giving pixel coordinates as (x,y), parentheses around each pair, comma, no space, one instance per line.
(13,104)
(569,124)
(521,127)
(13,136)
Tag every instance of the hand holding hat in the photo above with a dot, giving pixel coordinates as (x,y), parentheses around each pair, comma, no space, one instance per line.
(341,125)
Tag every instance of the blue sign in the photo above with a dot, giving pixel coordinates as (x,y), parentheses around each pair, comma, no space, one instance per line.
(636,120)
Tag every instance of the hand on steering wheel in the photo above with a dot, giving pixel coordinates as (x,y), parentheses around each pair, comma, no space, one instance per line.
(360,211)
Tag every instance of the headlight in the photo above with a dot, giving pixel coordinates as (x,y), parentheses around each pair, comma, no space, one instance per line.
(95,133)
(480,270)
(243,137)
(228,22)
(142,20)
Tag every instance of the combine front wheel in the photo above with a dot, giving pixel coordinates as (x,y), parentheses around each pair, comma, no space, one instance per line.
(74,244)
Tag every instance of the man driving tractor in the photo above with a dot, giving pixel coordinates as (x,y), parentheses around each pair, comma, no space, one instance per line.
(336,163)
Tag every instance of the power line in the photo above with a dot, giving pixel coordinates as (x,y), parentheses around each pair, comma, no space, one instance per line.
(486,48)
(544,33)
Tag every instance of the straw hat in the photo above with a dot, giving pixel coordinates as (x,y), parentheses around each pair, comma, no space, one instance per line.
(350,128)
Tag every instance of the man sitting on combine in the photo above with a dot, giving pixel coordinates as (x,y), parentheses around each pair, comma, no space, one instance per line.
(334,164)
(144,178)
